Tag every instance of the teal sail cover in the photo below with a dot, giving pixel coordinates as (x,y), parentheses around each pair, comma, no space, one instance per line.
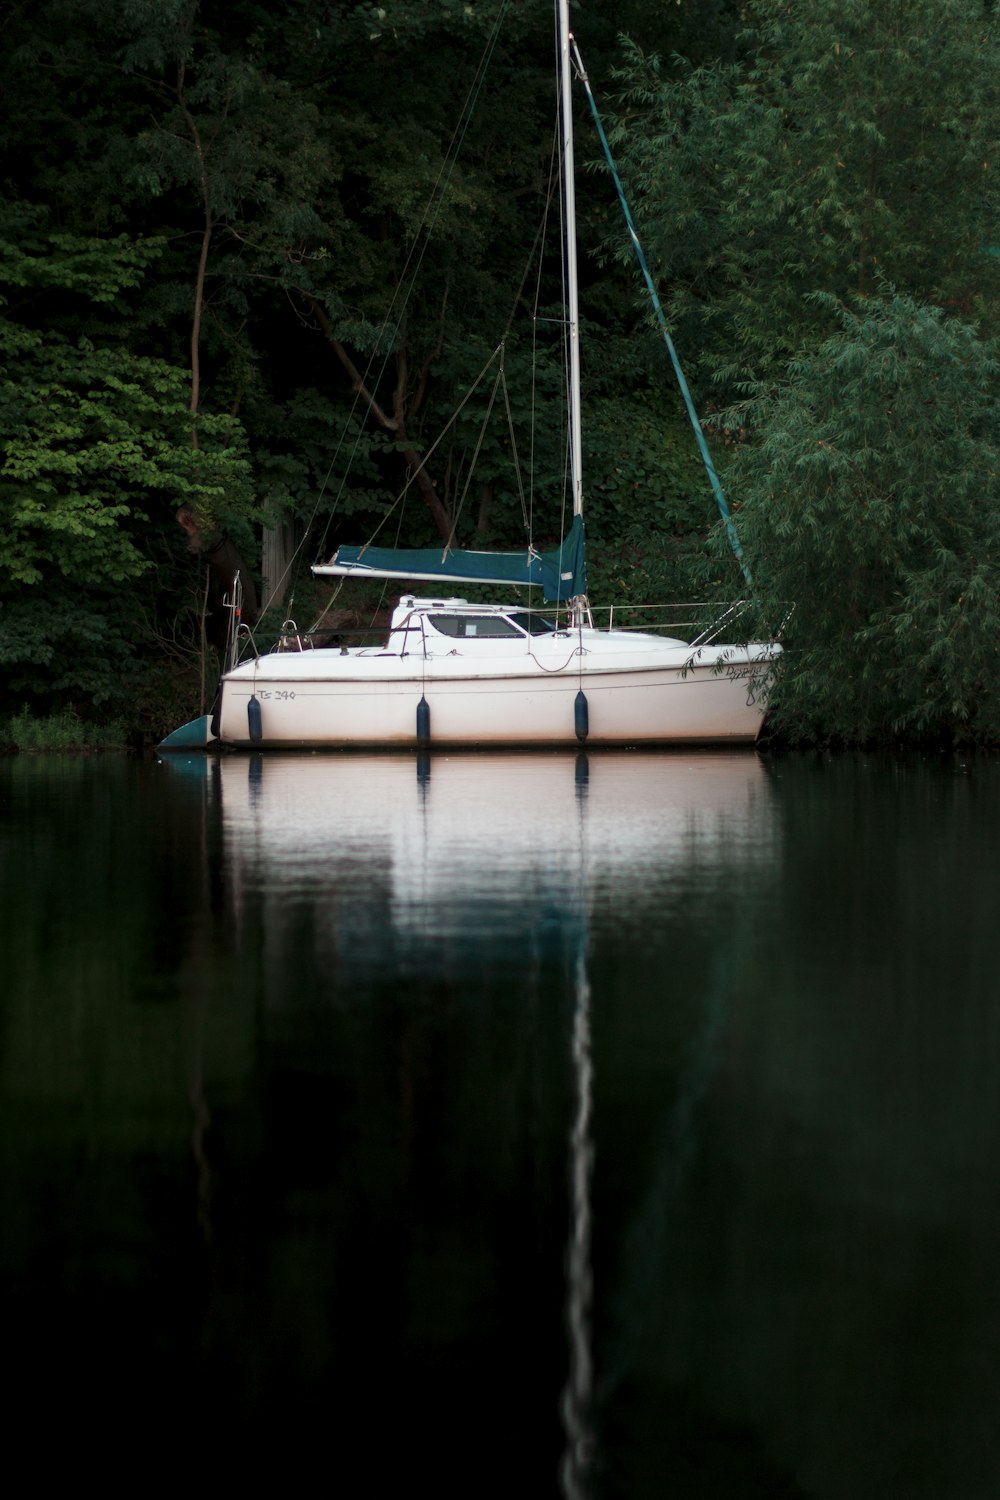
(561,573)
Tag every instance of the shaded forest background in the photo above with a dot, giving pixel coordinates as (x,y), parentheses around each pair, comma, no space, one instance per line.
(210,217)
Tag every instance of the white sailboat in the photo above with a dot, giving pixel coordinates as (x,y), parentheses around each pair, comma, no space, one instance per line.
(454,673)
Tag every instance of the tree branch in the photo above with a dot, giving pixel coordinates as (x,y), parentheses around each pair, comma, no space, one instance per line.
(395,424)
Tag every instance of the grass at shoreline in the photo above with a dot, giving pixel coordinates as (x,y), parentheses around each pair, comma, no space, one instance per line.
(60,733)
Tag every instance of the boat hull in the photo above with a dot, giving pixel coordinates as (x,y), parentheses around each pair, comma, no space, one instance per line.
(650,705)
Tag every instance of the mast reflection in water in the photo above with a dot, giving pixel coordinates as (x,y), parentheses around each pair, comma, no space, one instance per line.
(492,872)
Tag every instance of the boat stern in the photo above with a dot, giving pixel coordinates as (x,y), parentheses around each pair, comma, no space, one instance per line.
(195,735)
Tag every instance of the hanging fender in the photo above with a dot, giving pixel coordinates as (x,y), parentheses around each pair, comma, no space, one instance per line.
(423,722)
(581,716)
(254,723)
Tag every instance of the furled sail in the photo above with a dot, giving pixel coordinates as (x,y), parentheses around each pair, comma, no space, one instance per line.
(561,572)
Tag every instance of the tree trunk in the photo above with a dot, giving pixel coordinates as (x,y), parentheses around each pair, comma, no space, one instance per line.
(206,237)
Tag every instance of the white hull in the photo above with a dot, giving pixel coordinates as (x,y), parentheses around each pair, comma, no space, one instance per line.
(488,692)
(633,708)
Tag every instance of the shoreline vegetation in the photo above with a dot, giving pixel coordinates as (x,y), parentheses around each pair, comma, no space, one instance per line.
(199,324)
(63,733)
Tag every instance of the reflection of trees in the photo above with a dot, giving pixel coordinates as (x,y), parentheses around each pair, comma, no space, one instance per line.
(805,1281)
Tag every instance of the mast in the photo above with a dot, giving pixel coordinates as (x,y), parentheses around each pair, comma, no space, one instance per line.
(572,289)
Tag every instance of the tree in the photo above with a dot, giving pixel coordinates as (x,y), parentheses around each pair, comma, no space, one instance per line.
(854,142)
(823,214)
(870,503)
(95,456)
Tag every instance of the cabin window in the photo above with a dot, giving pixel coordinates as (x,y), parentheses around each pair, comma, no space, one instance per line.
(481,627)
(533,624)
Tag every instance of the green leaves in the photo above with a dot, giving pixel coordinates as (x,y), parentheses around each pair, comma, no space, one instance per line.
(845,148)
(822,212)
(96,437)
(96,453)
(236,205)
(870,501)
(35,257)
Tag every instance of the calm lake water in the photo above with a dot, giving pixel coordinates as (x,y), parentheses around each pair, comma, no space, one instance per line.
(615,1126)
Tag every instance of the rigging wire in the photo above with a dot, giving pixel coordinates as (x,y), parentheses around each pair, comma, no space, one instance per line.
(399,302)
(401,497)
(706,457)
(498,382)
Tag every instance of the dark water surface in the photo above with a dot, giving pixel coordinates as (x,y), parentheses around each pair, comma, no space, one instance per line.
(617,1126)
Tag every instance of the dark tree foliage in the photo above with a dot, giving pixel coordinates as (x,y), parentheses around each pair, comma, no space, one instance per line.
(823,211)
(853,143)
(256,257)
(331,221)
(98,447)
(871,504)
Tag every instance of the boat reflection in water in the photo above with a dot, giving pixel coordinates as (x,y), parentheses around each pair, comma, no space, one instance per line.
(475,835)
(495,872)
